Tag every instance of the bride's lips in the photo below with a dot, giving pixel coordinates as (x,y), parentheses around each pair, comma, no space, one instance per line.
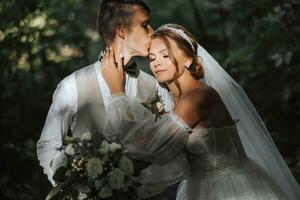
(160,71)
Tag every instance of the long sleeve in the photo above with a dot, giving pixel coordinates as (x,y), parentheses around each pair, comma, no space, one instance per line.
(161,142)
(157,177)
(58,121)
(141,135)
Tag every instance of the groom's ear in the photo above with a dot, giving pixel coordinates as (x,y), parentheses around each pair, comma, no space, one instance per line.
(188,61)
(120,31)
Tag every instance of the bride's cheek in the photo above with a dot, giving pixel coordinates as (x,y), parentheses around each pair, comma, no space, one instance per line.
(151,67)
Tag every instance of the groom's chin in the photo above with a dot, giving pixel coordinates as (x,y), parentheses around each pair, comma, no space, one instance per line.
(145,53)
(141,54)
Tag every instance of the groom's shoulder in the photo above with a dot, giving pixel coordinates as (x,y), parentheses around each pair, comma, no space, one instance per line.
(85,69)
(71,77)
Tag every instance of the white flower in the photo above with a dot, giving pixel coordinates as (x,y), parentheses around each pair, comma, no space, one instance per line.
(87,136)
(69,139)
(98,183)
(105,192)
(126,165)
(70,150)
(81,196)
(159,106)
(94,167)
(104,148)
(114,147)
(116,179)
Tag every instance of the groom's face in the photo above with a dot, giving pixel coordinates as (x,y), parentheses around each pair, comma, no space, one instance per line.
(138,36)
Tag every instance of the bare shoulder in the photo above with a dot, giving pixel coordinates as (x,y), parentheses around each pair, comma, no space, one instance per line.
(210,94)
(205,94)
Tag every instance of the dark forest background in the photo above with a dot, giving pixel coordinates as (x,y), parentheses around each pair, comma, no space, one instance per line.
(41,42)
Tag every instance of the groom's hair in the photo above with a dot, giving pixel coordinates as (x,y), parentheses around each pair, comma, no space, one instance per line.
(112,13)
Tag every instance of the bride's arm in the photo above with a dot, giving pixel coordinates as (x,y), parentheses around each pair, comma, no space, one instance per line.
(140,134)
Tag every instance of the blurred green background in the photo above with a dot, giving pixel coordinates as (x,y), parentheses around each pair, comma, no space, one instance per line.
(42,41)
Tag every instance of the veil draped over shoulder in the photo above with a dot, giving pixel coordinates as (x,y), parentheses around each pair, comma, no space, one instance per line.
(254,135)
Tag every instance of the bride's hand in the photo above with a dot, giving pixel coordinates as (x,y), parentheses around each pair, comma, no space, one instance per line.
(112,71)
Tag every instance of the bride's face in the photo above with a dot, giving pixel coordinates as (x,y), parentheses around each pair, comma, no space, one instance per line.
(160,62)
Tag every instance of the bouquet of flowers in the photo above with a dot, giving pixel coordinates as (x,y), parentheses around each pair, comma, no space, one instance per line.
(156,106)
(94,170)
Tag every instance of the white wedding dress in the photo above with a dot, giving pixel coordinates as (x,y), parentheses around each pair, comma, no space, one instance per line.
(237,163)
(217,166)
(221,170)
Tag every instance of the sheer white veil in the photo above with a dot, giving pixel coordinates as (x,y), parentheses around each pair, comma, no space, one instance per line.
(255,137)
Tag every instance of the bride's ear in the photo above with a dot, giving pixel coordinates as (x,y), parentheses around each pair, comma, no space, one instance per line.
(188,62)
(120,31)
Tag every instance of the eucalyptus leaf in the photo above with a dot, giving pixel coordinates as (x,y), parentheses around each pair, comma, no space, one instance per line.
(54,191)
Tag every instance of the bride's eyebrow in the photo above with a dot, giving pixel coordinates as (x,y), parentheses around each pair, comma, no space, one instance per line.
(151,54)
(162,51)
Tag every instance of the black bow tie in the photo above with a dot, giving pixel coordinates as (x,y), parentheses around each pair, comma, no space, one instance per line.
(130,68)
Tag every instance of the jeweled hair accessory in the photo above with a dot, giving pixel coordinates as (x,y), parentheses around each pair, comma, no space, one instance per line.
(182,34)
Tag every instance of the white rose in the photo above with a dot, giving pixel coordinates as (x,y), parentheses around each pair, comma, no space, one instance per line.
(126,165)
(114,147)
(70,150)
(87,136)
(105,192)
(116,179)
(160,106)
(104,148)
(82,196)
(94,167)
(98,183)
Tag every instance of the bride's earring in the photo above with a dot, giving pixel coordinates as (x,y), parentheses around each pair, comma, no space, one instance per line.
(188,63)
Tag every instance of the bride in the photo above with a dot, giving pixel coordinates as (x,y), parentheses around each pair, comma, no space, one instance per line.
(229,150)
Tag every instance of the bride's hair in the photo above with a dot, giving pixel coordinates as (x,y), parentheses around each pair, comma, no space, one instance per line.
(112,13)
(186,42)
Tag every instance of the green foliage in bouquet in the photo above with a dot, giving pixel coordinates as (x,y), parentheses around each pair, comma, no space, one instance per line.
(93,171)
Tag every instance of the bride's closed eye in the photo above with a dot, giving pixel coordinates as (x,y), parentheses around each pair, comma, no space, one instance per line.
(151,58)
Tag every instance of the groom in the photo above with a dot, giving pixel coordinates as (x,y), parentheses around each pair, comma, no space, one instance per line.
(80,100)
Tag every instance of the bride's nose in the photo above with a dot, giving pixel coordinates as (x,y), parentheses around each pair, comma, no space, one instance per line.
(156,63)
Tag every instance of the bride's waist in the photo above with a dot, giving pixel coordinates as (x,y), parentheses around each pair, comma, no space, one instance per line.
(200,167)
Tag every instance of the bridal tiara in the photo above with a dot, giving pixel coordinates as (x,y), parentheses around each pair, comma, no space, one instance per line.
(182,34)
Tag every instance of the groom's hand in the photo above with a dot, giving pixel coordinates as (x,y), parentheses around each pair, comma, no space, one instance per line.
(112,71)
